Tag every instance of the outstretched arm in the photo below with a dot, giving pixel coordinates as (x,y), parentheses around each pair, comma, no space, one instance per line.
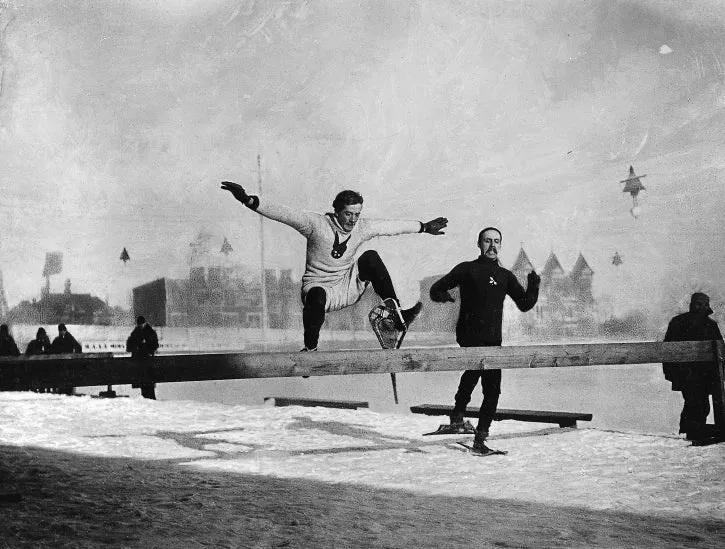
(391,227)
(299,220)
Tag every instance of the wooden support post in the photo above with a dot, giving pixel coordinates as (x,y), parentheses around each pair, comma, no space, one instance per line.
(718,395)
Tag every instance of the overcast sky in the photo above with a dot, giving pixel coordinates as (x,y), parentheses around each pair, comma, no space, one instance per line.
(118,120)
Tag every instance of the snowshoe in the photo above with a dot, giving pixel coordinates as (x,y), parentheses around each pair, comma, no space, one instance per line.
(462,428)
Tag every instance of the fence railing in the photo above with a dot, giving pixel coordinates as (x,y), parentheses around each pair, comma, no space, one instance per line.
(90,369)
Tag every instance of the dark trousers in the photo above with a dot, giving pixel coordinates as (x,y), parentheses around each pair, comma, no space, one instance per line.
(148,390)
(491,387)
(696,408)
(370,269)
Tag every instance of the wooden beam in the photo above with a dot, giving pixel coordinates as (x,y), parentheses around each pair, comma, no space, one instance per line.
(313,402)
(102,369)
(718,396)
(563,419)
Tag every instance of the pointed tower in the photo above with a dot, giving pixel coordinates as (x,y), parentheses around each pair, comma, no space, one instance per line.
(553,271)
(226,247)
(581,279)
(522,267)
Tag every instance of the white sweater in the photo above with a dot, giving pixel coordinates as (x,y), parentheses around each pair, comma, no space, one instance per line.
(331,249)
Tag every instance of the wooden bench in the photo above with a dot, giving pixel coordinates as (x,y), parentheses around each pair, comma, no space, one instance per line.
(564,419)
(294,401)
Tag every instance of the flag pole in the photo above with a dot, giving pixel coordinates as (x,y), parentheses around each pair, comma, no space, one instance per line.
(261,259)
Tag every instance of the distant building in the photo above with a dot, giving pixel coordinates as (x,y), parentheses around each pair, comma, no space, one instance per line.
(217,296)
(567,304)
(66,308)
(220,296)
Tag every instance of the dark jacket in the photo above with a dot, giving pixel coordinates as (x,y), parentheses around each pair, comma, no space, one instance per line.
(483,284)
(143,341)
(65,345)
(8,346)
(691,327)
(38,347)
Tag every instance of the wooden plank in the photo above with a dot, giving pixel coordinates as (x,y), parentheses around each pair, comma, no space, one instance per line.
(294,401)
(53,358)
(563,419)
(718,396)
(100,369)
(48,371)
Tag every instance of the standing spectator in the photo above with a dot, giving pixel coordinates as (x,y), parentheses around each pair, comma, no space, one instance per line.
(40,345)
(695,380)
(143,343)
(7,343)
(484,285)
(65,343)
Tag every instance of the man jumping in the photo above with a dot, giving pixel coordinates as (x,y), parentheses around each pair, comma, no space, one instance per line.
(333,278)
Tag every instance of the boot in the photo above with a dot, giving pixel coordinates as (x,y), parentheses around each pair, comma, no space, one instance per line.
(459,425)
(405,317)
(479,442)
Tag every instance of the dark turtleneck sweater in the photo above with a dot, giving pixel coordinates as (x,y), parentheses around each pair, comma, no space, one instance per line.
(483,286)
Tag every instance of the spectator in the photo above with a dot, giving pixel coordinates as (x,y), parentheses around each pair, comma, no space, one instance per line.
(40,345)
(143,343)
(65,343)
(7,343)
(695,380)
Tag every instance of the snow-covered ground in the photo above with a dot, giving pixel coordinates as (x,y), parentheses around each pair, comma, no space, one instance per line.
(588,468)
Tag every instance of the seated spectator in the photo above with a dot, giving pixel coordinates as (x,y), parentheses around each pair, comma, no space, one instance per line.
(65,342)
(40,345)
(7,343)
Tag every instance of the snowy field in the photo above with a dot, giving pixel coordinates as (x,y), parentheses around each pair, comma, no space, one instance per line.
(379,464)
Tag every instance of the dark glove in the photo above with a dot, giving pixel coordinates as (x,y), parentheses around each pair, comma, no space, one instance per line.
(434,226)
(237,190)
(533,278)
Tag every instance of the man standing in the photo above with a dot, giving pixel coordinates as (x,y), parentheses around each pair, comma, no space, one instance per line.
(695,380)
(65,343)
(143,343)
(334,278)
(483,285)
